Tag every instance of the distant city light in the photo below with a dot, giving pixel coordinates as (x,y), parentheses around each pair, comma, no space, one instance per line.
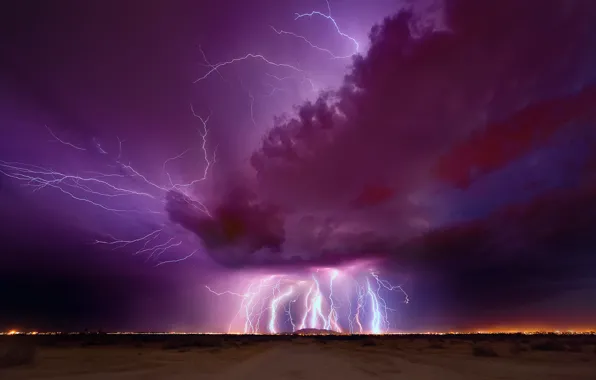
(509,332)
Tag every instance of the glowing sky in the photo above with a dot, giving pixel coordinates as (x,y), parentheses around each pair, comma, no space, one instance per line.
(191,145)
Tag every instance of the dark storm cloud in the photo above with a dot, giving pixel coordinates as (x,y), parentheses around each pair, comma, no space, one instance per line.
(374,195)
(409,100)
(339,181)
(500,143)
(517,256)
(238,227)
(450,106)
(470,96)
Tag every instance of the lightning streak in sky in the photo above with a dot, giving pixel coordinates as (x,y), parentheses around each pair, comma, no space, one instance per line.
(113,189)
(333,21)
(337,299)
(217,66)
(314,46)
(177,260)
(307,299)
(62,141)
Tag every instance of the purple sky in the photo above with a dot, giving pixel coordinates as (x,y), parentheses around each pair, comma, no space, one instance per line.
(458,151)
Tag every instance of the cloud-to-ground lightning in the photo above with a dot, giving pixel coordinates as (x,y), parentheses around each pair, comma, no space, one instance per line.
(315,299)
(334,299)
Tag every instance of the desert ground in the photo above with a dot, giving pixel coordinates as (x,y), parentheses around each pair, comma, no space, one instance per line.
(175,357)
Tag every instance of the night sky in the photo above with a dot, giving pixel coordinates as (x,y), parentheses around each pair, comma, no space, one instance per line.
(147,151)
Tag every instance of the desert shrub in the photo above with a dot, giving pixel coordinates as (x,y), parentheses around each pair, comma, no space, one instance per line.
(17,354)
(549,345)
(483,350)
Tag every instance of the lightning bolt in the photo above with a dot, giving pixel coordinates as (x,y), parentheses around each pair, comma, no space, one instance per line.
(98,146)
(217,66)
(376,312)
(335,24)
(288,310)
(313,300)
(62,141)
(119,181)
(123,243)
(312,45)
(276,295)
(177,260)
(332,318)
(273,308)
(360,305)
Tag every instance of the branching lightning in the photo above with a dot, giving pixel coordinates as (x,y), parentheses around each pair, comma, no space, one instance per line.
(113,189)
(217,66)
(314,46)
(344,300)
(320,300)
(335,24)
(177,260)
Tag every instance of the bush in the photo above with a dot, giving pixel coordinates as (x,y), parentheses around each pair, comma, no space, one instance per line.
(484,351)
(437,345)
(17,354)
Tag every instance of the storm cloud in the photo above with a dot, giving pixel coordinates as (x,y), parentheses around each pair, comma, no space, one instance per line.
(238,227)
(457,150)
(441,107)
(444,108)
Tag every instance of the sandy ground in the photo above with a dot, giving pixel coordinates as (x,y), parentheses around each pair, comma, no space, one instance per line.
(305,359)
